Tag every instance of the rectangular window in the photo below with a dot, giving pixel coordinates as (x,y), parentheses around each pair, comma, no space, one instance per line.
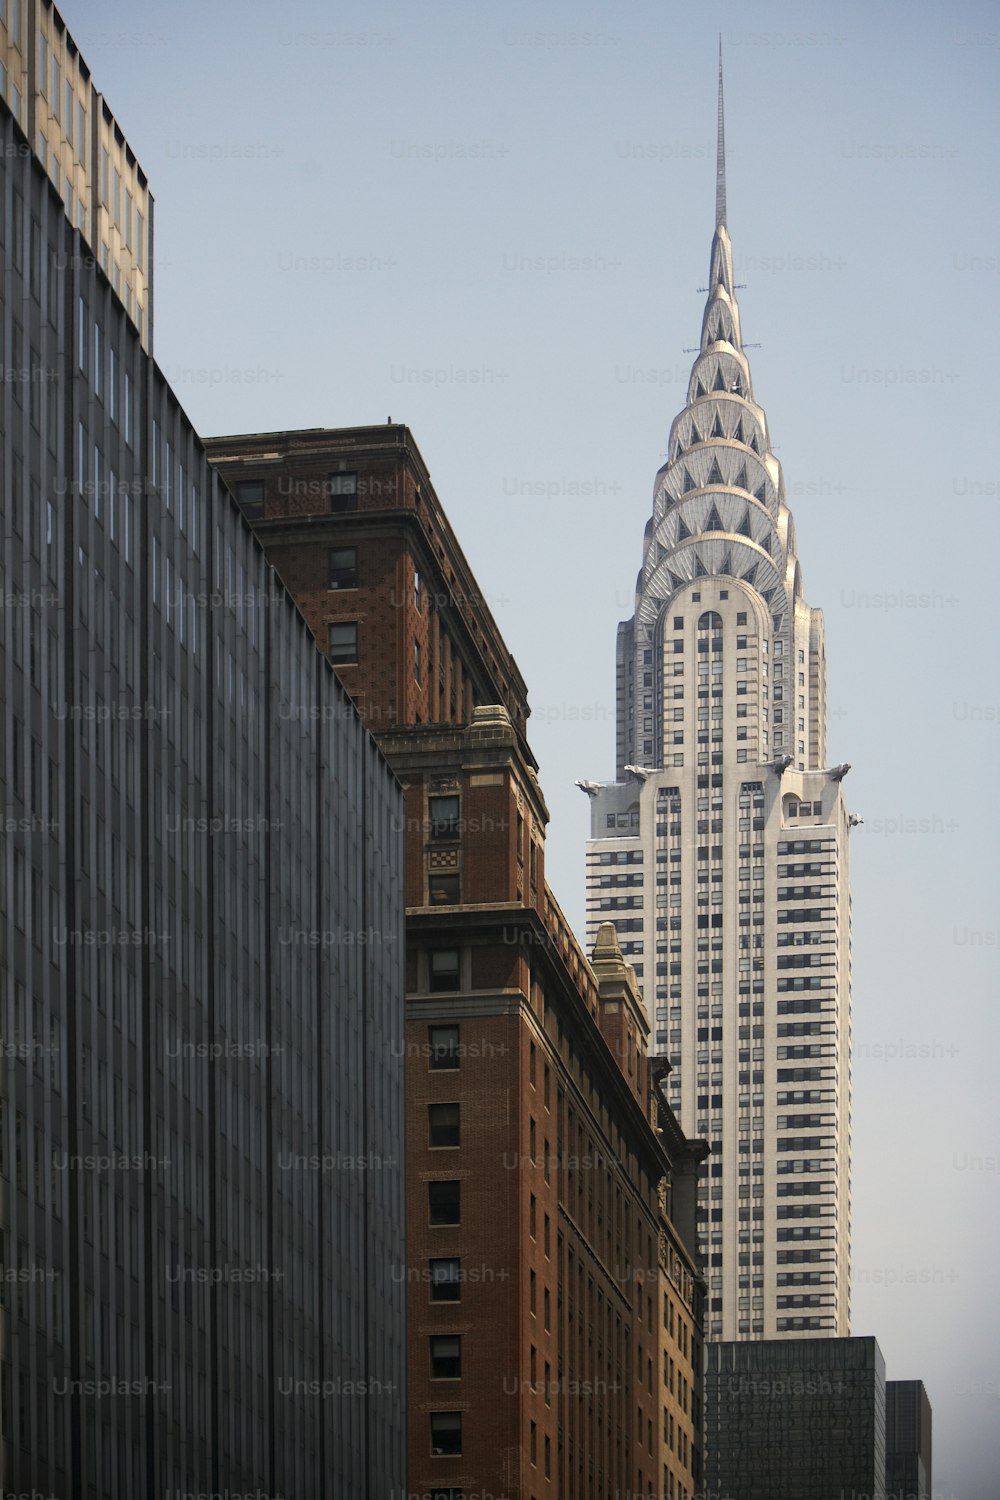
(446,1281)
(35,267)
(250,498)
(443,1046)
(17,351)
(343,641)
(444,1201)
(444,970)
(446,1433)
(442,1125)
(444,889)
(446,1356)
(444,816)
(343,567)
(343,491)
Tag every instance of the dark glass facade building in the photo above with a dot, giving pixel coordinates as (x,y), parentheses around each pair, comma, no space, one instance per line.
(201,921)
(795,1419)
(907,1441)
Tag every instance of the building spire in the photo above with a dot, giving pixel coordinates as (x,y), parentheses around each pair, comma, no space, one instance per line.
(720,159)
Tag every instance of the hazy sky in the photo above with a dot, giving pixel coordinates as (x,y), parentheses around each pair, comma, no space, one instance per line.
(490,222)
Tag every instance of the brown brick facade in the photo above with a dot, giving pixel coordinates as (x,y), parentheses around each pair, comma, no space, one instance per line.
(428,648)
(554,1310)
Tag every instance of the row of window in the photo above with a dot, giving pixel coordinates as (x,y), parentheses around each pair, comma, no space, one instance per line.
(338,491)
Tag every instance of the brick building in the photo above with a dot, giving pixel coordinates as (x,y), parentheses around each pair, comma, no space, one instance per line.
(554,1304)
(354,528)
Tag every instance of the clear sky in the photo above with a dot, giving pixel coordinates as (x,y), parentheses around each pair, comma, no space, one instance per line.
(490,222)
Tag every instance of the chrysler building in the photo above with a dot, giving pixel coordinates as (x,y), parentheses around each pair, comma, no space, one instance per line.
(721,850)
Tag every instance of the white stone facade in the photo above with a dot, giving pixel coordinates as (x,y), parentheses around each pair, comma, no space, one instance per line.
(721,854)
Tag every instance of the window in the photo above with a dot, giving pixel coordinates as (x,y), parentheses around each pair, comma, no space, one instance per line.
(444,1201)
(416,660)
(443,1046)
(343,641)
(250,498)
(343,491)
(444,970)
(446,1433)
(442,1125)
(446,1356)
(446,1279)
(343,567)
(443,811)
(113,384)
(444,890)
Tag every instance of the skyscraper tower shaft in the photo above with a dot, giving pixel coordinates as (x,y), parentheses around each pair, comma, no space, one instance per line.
(721,850)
